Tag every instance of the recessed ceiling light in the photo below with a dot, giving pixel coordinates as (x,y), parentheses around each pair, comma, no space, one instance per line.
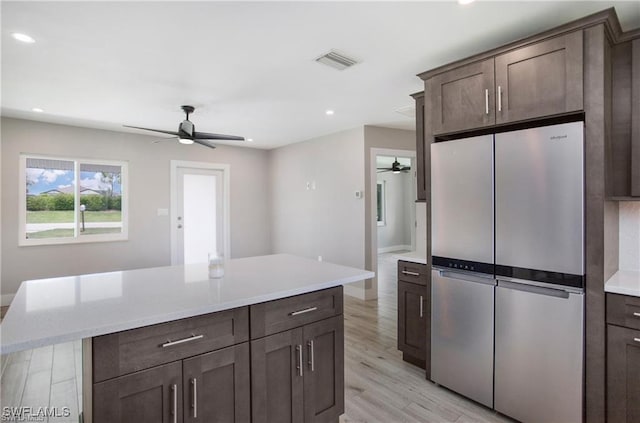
(185,141)
(37,110)
(465,1)
(329,112)
(23,37)
(250,139)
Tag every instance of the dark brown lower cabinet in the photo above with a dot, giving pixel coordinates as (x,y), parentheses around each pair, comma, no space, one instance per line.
(623,375)
(412,322)
(148,396)
(217,386)
(298,375)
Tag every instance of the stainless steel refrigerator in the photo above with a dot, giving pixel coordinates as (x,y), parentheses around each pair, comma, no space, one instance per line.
(508,271)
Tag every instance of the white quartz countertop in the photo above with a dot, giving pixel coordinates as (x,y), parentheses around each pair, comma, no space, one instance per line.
(50,311)
(625,282)
(412,256)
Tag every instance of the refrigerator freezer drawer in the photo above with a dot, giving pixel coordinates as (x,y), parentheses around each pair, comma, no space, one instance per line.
(539,354)
(462,200)
(539,198)
(462,334)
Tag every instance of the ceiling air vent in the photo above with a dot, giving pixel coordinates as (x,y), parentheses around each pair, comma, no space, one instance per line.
(336,60)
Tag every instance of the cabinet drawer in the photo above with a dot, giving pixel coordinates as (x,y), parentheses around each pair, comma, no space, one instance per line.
(623,310)
(132,350)
(412,272)
(280,315)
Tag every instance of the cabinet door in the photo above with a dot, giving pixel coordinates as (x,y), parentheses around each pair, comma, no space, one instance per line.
(540,80)
(277,378)
(623,375)
(421,194)
(635,118)
(217,386)
(148,396)
(413,301)
(324,371)
(463,98)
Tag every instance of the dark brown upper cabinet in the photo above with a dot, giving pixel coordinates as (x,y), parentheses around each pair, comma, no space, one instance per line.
(635,118)
(533,81)
(463,98)
(623,161)
(541,79)
(421,193)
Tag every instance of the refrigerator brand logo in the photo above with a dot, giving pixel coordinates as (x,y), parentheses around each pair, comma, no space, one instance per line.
(558,137)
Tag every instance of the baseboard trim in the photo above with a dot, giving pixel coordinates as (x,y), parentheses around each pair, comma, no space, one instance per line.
(355,290)
(6,299)
(394,248)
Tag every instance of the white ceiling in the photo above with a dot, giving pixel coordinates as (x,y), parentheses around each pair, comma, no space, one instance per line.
(249,67)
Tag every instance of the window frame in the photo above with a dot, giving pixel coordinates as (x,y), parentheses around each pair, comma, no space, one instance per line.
(77,238)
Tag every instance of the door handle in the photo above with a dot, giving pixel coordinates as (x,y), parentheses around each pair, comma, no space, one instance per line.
(468,278)
(312,364)
(194,397)
(636,339)
(499,98)
(299,359)
(636,314)
(486,101)
(174,403)
(406,272)
(421,306)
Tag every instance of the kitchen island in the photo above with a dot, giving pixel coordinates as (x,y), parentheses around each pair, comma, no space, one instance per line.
(170,344)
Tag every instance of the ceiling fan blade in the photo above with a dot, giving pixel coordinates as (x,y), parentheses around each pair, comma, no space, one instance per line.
(384,170)
(209,136)
(203,142)
(154,130)
(159,140)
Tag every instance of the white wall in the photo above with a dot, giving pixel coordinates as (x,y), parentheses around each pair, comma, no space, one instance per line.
(327,221)
(629,235)
(396,232)
(149,234)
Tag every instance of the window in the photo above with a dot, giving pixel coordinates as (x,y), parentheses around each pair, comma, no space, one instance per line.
(381,200)
(57,209)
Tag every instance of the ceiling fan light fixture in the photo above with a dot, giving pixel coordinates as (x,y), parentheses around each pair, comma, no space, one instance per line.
(185,141)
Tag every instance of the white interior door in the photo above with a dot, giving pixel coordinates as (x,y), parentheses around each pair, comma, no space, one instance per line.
(199,219)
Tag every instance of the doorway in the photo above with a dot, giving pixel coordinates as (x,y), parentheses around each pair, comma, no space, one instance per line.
(379,212)
(199,211)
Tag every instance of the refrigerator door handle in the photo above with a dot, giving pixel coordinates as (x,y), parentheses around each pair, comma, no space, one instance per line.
(550,292)
(488,280)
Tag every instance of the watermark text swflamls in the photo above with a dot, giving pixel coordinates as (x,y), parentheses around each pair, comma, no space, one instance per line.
(32,414)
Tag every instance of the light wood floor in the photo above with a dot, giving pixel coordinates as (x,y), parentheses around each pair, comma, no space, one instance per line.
(379,386)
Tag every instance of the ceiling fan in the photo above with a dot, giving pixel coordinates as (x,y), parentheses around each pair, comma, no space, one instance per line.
(186,133)
(396,167)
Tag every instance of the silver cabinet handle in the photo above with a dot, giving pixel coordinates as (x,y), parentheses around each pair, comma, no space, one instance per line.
(636,339)
(194,398)
(499,98)
(421,306)
(312,364)
(636,314)
(174,403)
(306,310)
(486,101)
(406,272)
(299,359)
(182,341)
